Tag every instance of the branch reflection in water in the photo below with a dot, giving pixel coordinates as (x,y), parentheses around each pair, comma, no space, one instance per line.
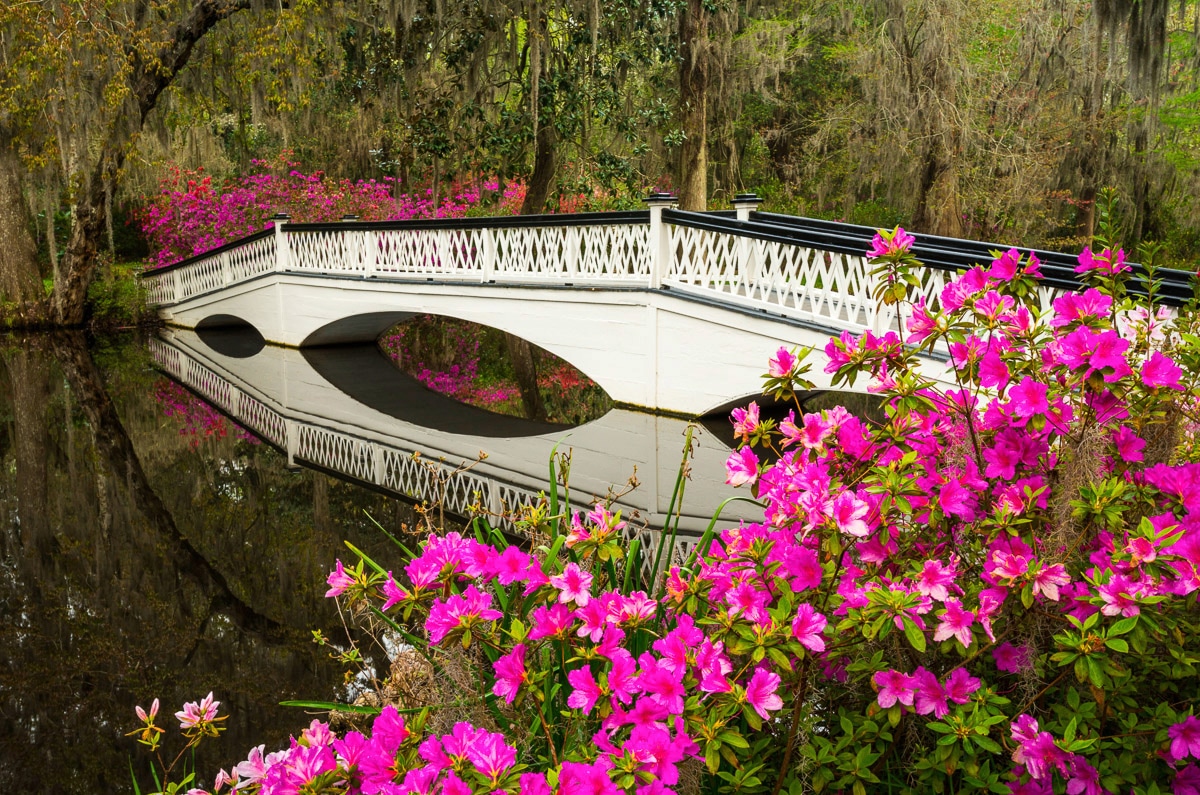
(139,562)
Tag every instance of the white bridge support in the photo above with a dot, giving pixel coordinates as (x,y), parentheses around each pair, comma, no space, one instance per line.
(666,310)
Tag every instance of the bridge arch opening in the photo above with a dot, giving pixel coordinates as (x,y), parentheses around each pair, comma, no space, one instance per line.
(230,336)
(491,369)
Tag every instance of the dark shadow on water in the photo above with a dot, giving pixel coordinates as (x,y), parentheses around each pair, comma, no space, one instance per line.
(364,373)
(240,341)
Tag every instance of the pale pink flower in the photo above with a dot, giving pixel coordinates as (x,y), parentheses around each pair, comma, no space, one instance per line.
(956,623)
(143,716)
(573,585)
(194,714)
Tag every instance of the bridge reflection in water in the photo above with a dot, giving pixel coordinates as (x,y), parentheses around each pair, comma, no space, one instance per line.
(348,411)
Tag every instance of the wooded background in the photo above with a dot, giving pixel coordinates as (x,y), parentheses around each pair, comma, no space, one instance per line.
(999,120)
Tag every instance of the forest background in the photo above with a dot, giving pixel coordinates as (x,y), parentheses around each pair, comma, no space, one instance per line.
(1000,121)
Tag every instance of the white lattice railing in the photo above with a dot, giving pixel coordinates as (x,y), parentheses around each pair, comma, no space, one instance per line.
(796,268)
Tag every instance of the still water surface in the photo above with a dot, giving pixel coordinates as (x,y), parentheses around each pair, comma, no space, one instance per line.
(153,548)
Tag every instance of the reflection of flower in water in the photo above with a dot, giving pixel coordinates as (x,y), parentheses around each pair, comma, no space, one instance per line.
(198,420)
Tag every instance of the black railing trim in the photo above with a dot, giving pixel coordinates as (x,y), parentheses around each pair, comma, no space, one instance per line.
(1058,269)
(192,260)
(615,218)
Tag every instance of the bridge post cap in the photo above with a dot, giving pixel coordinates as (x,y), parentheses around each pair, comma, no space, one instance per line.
(747,198)
(349,217)
(281,217)
(658,197)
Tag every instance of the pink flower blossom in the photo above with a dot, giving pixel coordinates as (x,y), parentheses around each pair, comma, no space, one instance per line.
(849,513)
(807,627)
(510,673)
(142,714)
(195,715)
(574,585)
(742,467)
(886,244)
(1161,371)
(550,621)
(760,692)
(460,611)
(894,688)
(338,581)
(936,579)
(586,692)
(956,623)
(1010,658)
(1185,738)
(782,364)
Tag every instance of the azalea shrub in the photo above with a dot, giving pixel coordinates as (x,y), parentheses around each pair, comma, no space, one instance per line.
(992,588)
(193,213)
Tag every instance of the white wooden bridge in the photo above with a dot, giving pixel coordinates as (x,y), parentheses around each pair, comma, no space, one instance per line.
(291,400)
(668,310)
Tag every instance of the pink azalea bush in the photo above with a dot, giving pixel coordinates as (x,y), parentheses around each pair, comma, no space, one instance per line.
(993,589)
(192,213)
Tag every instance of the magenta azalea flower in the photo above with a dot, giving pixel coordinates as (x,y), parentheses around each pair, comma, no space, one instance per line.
(807,627)
(885,243)
(338,581)
(956,623)
(1185,738)
(586,692)
(894,688)
(393,592)
(1160,370)
(742,467)
(781,364)
(550,621)
(510,673)
(760,692)
(459,611)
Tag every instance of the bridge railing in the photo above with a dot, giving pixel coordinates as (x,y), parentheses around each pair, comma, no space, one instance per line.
(800,268)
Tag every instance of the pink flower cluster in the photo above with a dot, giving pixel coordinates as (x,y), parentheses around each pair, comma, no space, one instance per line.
(1017,524)
(192,214)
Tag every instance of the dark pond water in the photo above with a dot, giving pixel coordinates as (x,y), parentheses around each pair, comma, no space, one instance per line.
(152,548)
(142,557)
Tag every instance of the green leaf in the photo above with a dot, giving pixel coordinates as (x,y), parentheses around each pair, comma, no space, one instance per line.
(364,556)
(1123,626)
(332,705)
(988,744)
(1117,645)
(914,634)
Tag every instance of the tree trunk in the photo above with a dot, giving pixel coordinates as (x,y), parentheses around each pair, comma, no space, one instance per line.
(116,453)
(541,182)
(30,389)
(20,282)
(520,352)
(525,365)
(693,107)
(148,78)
